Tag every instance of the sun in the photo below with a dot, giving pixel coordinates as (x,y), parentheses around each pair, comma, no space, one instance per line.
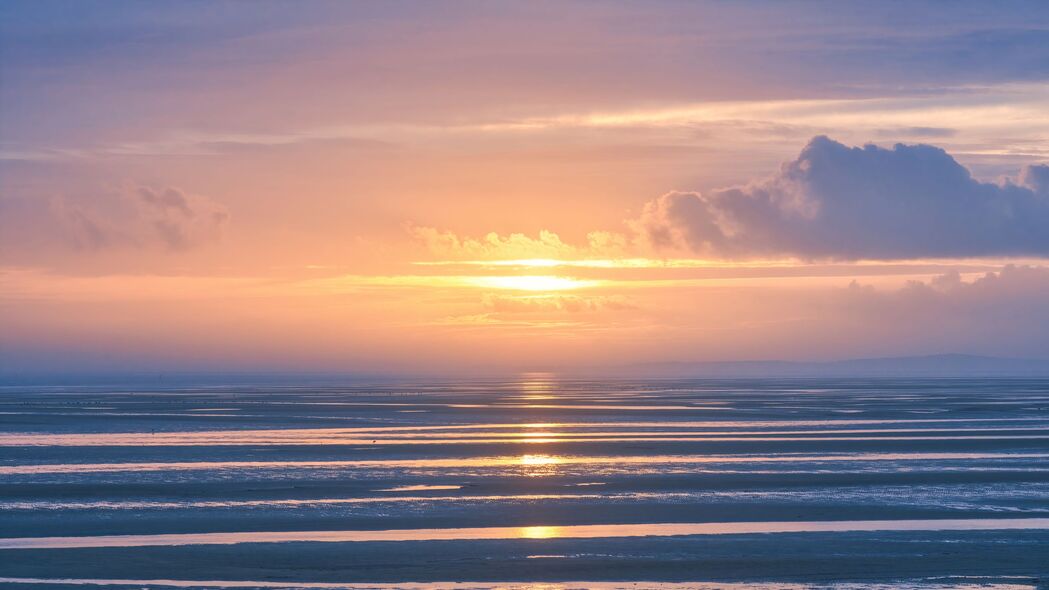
(533,283)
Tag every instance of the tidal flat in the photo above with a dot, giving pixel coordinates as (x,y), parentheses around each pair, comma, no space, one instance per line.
(535,482)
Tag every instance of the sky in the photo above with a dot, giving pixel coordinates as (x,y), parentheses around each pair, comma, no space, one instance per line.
(471,187)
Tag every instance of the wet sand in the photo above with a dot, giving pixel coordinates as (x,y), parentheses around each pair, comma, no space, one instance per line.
(903,483)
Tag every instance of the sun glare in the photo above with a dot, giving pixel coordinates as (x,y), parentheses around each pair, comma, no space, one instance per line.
(540,532)
(533,460)
(538,437)
(532,283)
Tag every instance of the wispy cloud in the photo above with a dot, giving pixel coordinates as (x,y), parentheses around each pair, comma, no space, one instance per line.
(979,120)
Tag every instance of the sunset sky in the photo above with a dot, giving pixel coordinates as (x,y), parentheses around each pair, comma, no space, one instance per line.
(419,187)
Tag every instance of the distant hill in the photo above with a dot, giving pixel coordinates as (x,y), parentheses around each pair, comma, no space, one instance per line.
(939,365)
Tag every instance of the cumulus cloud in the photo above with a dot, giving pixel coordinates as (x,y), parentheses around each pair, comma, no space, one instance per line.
(140,216)
(852,203)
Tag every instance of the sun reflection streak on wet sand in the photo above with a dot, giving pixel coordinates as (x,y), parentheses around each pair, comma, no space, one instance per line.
(530,433)
(528,460)
(540,532)
(529,532)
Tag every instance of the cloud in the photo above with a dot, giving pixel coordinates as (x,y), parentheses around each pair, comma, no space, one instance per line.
(180,220)
(82,229)
(166,199)
(494,246)
(1001,313)
(555,303)
(837,202)
(140,216)
(898,132)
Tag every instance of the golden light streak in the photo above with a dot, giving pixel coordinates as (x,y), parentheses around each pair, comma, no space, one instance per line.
(531,283)
(600,263)
(539,460)
(702,263)
(540,532)
(539,437)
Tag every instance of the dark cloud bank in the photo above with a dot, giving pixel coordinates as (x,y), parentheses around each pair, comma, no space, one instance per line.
(837,202)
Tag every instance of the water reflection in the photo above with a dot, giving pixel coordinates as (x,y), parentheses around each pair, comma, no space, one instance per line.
(537,432)
(540,532)
(420,488)
(540,465)
(530,460)
(595,531)
(540,460)
(537,386)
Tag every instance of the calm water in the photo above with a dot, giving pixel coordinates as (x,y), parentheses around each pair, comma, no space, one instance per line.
(786,484)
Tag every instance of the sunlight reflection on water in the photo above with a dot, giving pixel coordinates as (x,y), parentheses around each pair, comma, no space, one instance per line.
(594,531)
